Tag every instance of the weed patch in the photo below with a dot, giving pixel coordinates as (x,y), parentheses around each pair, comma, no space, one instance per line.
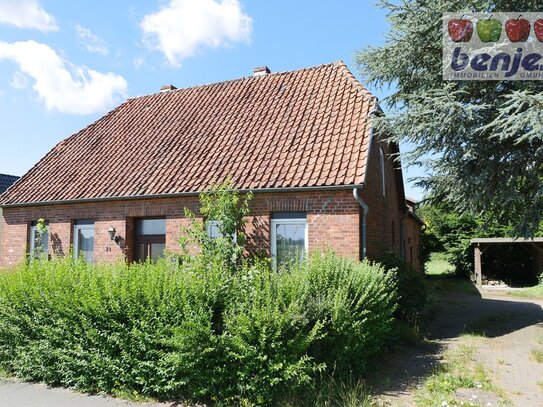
(331,392)
(537,355)
(531,292)
(458,371)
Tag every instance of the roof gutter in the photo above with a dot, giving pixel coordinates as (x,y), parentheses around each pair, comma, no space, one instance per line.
(179,195)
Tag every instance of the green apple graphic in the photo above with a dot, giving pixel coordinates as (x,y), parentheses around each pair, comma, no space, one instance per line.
(489,30)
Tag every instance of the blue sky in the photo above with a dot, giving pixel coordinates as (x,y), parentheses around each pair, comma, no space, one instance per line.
(63,64)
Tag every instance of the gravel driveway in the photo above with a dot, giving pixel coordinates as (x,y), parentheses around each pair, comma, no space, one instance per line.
(511,329)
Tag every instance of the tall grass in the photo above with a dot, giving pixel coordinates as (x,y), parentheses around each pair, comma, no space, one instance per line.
(530,292)
(160,331)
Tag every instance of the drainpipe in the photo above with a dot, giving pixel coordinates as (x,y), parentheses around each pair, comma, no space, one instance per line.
(365,210)
(376,110)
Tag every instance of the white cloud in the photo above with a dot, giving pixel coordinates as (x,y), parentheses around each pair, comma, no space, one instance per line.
(180,28)
(61,85)
(26,14)
(92,42)
(19,80)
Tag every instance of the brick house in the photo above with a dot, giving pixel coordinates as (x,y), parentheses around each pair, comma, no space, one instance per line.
(301,141)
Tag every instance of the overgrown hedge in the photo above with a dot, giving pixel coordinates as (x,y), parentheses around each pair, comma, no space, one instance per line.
(412,295)
(165,332)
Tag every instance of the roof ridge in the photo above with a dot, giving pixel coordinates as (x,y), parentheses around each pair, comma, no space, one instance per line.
(244,78)
(352,79)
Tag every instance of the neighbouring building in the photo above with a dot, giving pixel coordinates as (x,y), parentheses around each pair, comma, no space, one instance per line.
(5,182)
(301,141)
(412,235)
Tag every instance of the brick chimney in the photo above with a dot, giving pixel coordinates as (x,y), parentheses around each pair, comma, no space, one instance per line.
(261,71)
(167,88)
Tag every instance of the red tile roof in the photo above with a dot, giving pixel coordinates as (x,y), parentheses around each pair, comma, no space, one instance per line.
(303,128)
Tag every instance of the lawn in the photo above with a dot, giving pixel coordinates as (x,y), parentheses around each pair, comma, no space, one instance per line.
(440,276)
(438,265)
(530,292)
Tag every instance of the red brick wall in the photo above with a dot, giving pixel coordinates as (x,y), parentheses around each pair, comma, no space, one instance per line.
(332,216)
(333,219)
(385,214)
(412,242)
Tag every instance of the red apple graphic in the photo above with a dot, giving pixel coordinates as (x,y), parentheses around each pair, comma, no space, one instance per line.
(518,30)
(538,29)
(460,30)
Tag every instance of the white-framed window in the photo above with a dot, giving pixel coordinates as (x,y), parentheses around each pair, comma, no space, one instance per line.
(84,239)
(382,165)
(288,237)
(39,245)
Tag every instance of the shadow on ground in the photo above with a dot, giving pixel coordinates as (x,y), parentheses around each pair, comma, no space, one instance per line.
(458,308)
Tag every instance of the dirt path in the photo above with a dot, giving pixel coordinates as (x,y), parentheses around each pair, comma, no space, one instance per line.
(508,330)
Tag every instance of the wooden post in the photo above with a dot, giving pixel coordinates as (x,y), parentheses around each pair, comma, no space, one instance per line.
(478,272)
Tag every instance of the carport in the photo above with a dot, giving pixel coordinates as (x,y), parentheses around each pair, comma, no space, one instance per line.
(533,246)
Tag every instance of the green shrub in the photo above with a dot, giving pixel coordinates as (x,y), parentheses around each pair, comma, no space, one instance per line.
(413,297)
(355,302)
(162,331)
(95,328)
(268,336)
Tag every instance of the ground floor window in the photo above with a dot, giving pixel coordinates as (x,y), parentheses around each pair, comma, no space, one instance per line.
(213,229)
(84,239)
(39,241)
(149,239)
(288,237)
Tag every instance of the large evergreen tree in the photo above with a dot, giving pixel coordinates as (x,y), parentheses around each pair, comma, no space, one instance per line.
(485,138)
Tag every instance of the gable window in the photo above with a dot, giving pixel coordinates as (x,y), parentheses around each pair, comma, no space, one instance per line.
(84,240)
(149,239)
(39,243)
(288,237)
(382,165)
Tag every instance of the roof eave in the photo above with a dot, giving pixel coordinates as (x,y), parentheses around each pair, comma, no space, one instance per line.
(181,195)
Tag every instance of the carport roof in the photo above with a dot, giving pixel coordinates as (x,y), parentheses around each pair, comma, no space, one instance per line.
(507,240)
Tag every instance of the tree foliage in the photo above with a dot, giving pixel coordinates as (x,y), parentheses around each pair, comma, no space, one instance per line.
(481,140)
(223,206)
(451,232)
